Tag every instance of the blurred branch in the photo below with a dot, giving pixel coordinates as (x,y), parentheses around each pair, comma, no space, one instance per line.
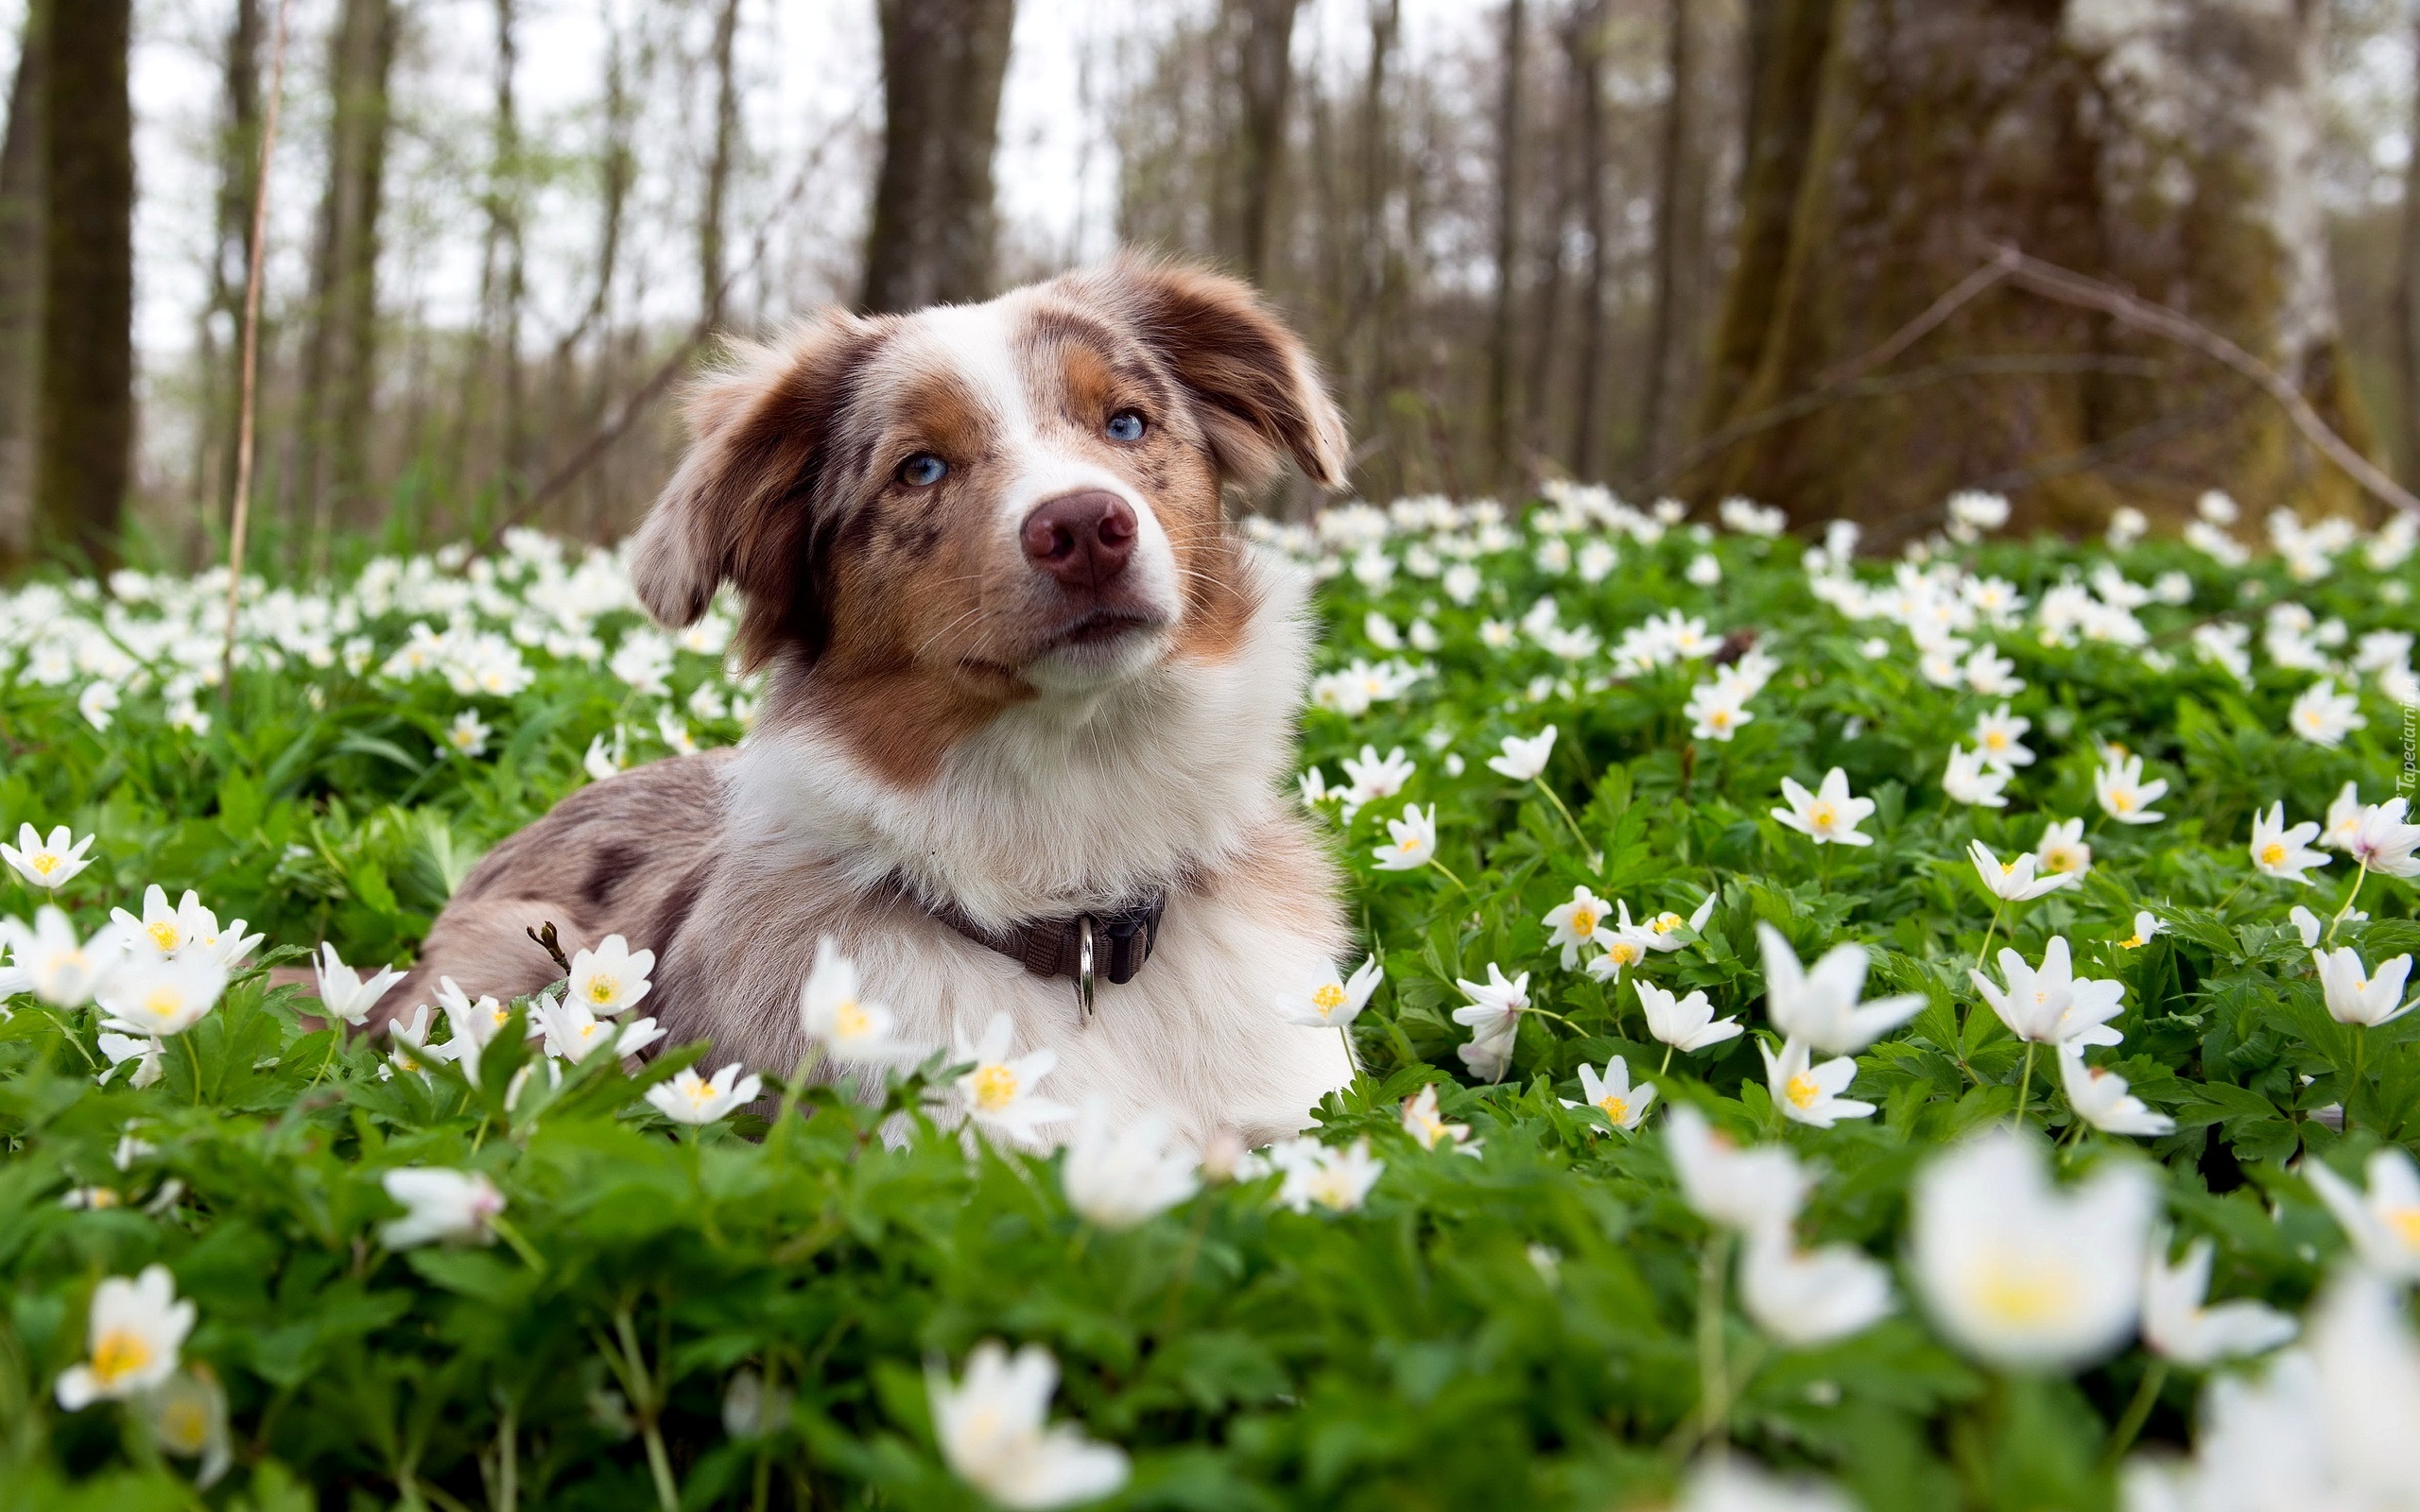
(601,441)
(2051,281)
(246,414)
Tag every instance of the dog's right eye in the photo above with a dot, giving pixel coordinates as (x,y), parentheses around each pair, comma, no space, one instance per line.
(923,470)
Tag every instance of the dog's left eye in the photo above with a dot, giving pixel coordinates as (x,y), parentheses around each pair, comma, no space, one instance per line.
(923,470)
(1126,425)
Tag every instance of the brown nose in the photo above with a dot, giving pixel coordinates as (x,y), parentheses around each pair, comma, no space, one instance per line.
(1081,538)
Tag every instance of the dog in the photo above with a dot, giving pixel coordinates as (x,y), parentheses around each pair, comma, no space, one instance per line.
(1027,688)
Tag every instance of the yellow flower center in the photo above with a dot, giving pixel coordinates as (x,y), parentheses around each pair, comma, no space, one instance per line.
(163,1001)
(995,1087)
(2013,1295)
(184,1427)
(1625,953)
(850,1020)
(2061,859)
(1583,923)
(1666,923)
(2121,801)
(117,1354)
(2273,854)
(1329,998)
(1616,1108)
(1822,816)
(701,1092)
(1409,843)
(100,1197)
(46,862)
(1719,718)
(2406,1224)
(1802,1090)
(2130,942)
(603,988)
(2007,869)
(163,933)
(1995,740)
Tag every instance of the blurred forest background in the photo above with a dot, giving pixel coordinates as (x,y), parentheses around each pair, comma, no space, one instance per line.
(1684,247)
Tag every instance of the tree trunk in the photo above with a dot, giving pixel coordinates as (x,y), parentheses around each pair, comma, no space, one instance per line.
(943,65)
(710,214)
(1680,243)
(1584,49)
(22,247)
(1502,453)
(337,375)
(503,278)
(2406,295)
(1262,36)
(2164,151)
(84,425)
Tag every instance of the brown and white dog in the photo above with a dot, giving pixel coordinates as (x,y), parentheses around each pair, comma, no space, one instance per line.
(1022,674)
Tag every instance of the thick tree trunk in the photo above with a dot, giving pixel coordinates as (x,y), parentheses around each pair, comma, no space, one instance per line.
(1680,241)
(219,344)
(338,364)
(2406,295)
(942,65)
(1502,453)
(504,274)
(718,168)
(2163,149)
(1584,50)
(1261,33)
(84,423)
(22,247)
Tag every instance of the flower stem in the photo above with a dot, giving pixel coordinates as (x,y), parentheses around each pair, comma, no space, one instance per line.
(2361,1041)
(1985,949)
(1714,1385)
(2350,893)
(1596,857)
(2024,1085)
(1668,1061)
(1449,873)
(2137,1413)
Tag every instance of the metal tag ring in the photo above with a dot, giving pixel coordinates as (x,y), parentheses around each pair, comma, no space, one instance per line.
(1085,965)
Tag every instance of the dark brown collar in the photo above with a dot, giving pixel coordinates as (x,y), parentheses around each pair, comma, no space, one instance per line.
(1103,943)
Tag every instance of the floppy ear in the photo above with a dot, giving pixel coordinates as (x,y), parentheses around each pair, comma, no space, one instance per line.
(1258,390)
(736,511)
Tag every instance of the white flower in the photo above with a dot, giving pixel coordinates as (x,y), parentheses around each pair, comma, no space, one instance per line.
(611,978)
(2020,1272)
(1523,760)
(689,1098)
(2177,1323)
(97,702)
(161,997)
(2324,716)
(571,1032)
(187,1416)
(1578,925)
(1371,776)
(131,1338)
(2051,1004)
(2124,795)
(1999,739)
(1704,570)
(2147,924)
(1625,946)
(1424,1122)
(1717,709)
(1990,674)
(2013,880)
(467,736)
(1613,1095)
(2127,525)
(1119,1178)
(1967,779)
(453,1205)
(1827,815)
(1318,1176)
(188,928)
(2383,1223)
(1820,1006)
(1312,784)
(1664,931)
(59,969)
(1751,1192)
(853,1029)
(47,863)
(2353,997)
(1972,511)
(1732,1482)
(1806,1297)
(120,1048)
(2063,848)
(2383,843)
(1493,1018)
(2278,852)
(2307,924)
(1686,1023)
(1334,1001)
(599,760)
(343,996)
(2100,1097)
(2343,820)
(1412,840)
(2217,507)
(995,1435)
(1810,1093)
(998,1091)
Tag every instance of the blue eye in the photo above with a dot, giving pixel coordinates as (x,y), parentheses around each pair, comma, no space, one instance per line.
(1126,425)
(923,470)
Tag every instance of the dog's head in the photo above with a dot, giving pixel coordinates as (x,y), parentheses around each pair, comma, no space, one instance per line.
(996,501)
